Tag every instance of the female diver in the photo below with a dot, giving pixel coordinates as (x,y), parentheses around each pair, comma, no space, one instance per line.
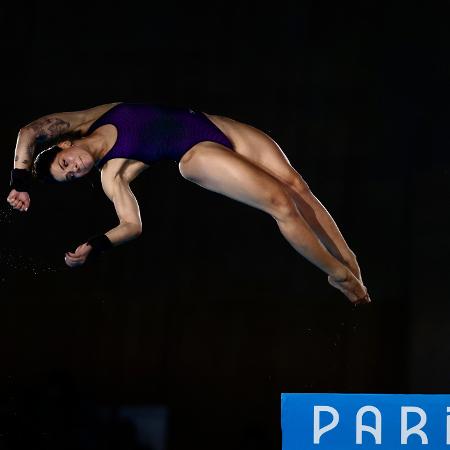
(218,153)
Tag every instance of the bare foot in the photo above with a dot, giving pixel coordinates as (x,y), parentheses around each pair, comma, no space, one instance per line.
(350,286)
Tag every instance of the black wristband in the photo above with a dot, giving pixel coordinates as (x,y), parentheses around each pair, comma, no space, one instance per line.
(20,180)
(99,243)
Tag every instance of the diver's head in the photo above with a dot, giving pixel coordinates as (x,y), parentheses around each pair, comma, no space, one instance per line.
(66,161)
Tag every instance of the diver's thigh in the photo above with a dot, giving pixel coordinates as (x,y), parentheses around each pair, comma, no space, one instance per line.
(257,146)
(218,169)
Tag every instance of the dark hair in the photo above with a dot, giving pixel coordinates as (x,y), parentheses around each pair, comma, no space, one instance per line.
(44,159)
(42,163)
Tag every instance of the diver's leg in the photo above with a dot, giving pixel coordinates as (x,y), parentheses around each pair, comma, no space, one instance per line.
(263,151)
(218,169)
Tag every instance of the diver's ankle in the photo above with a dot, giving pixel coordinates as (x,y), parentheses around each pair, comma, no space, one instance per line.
(340,273)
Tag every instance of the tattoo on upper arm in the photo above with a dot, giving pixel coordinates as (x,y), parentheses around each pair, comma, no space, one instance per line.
(49,127)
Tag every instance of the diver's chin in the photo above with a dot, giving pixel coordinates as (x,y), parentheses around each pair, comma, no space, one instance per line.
(87,163)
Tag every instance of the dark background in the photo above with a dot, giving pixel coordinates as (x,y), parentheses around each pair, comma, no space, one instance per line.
(211,313)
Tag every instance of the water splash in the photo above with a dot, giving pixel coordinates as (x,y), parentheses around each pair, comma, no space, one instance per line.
(25,263)
(13,259)
(7,215)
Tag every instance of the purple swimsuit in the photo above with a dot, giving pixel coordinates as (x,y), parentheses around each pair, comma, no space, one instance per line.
(151,133)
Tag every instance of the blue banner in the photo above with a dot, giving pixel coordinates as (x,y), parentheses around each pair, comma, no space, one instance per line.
(365,421)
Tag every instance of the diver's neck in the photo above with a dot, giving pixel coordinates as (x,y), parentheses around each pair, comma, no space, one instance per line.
(96,145)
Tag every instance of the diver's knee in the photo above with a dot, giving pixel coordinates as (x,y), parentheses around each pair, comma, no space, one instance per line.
(281,206)
(190,164)
(296,183)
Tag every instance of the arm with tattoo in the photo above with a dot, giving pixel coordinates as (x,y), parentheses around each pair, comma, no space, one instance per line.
(49,128)
(41,130)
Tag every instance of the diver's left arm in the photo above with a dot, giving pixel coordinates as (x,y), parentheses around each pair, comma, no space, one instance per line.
(129,227)
(127,210)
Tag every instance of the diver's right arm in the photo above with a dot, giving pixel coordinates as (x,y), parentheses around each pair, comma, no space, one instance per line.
(44,128)
(19,197)
(23,154)
(51,126)
(40,130)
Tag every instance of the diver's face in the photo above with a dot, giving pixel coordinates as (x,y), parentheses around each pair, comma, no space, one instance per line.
(70,163)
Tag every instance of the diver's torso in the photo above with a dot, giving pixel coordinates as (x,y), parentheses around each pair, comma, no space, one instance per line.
(130,151)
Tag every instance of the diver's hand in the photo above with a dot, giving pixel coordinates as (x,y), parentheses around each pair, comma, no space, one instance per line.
(78,258)
(19,200)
